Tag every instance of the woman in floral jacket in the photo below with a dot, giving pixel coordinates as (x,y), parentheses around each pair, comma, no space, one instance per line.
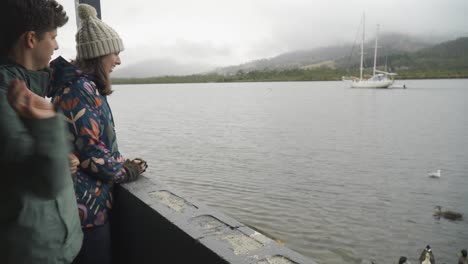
(80,90)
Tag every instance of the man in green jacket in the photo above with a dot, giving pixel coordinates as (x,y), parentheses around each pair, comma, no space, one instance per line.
(39,220)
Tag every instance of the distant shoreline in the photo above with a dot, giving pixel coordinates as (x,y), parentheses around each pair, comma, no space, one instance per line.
(291,75)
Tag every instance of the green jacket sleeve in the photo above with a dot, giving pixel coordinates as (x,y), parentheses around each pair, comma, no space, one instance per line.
(48,165)
(15,140)
(36,150)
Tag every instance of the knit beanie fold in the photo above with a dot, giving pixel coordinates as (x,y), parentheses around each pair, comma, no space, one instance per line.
(94,37)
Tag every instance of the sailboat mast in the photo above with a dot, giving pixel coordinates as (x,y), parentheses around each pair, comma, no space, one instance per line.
(362,45)
(375,49)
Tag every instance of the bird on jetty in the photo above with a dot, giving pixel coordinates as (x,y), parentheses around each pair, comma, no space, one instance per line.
(434,174)
(463,258)
(426,256)
(447,214)
(403,260)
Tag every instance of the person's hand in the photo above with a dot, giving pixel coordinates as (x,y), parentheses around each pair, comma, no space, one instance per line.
(28,104)
(142,165)
(74,163)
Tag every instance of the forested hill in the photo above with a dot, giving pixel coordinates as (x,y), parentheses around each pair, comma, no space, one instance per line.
(451,55)
(445,60)
(333,56)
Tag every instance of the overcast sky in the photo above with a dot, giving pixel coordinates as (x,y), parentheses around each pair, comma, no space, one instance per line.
(228,32)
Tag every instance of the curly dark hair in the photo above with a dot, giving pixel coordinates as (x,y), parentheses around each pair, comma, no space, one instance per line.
(20,16)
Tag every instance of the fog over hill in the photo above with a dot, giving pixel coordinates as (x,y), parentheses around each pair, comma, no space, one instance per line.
(159,67)
(334,56)
(330,56)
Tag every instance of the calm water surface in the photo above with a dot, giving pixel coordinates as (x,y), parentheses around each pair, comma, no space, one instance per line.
(338,174)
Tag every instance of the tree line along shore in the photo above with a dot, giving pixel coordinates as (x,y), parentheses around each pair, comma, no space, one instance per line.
(320,74)
(445,60)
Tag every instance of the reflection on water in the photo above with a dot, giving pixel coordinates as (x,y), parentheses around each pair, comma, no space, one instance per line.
(337,174)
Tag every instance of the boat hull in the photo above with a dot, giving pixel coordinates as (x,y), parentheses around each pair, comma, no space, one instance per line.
(371,84)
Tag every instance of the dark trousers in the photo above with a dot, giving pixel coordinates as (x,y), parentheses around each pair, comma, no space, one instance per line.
(96,248)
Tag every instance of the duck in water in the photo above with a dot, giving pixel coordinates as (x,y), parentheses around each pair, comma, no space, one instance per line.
(447,214)
(434,174)
(403,260)
(463,258)
(427,257)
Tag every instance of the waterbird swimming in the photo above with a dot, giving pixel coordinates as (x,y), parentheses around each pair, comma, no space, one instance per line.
(447,214)
(402,260)
(463,258)
(434,174)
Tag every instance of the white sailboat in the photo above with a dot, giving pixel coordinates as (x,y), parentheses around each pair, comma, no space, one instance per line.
(379,79)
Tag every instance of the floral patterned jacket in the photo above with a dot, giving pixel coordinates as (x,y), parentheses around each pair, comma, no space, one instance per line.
(91,129)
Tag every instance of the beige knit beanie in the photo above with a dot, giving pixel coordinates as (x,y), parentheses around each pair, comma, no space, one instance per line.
(94,37)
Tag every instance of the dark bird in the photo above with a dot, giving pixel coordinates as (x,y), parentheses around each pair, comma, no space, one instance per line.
(463,258)
(447,214)
(402,260)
